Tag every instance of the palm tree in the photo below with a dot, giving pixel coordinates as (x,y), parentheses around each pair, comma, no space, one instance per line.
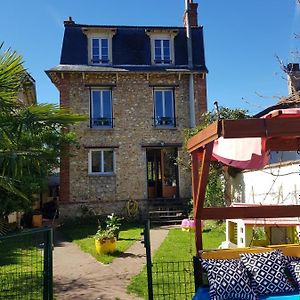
(31,138)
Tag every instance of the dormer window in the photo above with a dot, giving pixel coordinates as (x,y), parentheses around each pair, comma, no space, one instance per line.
(100,54)
(162,46)
(99,45)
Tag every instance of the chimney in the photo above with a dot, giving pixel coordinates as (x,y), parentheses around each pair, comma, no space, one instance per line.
(69,22)
(293,73)
(193,14)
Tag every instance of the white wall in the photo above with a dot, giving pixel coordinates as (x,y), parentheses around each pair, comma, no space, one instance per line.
(279,184)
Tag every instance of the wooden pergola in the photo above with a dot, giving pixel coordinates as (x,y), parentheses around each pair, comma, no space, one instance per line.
(280,134)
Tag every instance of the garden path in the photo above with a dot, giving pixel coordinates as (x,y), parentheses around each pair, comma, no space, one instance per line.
(77,275)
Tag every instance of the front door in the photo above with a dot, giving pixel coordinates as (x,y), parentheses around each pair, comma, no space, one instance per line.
(162,173)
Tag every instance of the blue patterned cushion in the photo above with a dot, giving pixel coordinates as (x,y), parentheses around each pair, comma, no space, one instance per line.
(291,258)
(294,268)
(228,279)
(267,272)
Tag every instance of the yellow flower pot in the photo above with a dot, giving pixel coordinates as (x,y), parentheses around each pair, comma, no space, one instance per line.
(105,245)
(37,221)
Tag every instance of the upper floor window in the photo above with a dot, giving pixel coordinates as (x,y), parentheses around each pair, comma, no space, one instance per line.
(162,46)
(101,161)
(100,50)
(162,51)
(101,108)
(164,112)
(99,45)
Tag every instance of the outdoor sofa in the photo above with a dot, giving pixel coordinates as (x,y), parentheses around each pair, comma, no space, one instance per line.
(269,273)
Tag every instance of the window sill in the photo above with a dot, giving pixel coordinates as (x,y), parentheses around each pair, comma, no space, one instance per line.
(162,64)
(101,64)
(165,127)
(102,128)
(102,174)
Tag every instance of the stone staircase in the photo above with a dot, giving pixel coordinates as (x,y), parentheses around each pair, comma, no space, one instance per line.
(165,211)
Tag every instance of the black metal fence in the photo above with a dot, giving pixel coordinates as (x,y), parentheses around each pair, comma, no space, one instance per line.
(173,280)
(168,280)
(26,265)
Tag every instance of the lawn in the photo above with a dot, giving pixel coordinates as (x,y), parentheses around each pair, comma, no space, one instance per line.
(83,236)
(176,276)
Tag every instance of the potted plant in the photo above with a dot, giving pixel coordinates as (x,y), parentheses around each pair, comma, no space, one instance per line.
(113,223)
(105,241)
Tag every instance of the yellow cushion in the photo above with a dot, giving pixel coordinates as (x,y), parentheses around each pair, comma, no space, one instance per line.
(288,249)
(234,253)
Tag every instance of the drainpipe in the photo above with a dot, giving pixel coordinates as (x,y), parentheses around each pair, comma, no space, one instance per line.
(190,64)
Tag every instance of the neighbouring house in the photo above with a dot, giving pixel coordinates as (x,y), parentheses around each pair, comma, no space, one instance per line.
(27,93)
(141,87)
(277,183)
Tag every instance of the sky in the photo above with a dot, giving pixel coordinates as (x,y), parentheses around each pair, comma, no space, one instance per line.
(242,40)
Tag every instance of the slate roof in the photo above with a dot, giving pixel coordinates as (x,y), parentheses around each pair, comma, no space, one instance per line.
(131,48)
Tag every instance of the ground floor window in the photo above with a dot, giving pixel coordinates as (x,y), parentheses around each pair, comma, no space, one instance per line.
(101,161)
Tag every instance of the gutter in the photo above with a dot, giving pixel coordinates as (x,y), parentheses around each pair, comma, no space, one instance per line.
(190,65)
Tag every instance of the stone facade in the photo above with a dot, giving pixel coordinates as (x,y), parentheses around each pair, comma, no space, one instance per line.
(133,131)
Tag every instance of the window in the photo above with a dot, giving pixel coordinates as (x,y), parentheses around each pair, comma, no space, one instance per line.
(162,53)
(100,51)
(101,109)
(100,43)
(101,161)
(162,46)
(164,108)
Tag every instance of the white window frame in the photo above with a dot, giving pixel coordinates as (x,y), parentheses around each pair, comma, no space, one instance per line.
(164,107)
(101,90)
(102,172)
(162,52)
(100,38)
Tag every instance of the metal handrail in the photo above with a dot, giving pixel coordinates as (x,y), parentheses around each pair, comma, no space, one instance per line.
(164,121)
(102,122)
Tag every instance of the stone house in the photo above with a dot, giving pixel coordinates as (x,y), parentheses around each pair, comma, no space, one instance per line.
(140,87)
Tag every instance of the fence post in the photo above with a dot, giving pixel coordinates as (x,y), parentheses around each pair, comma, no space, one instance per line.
(48,265)
(197,272)
(148,259)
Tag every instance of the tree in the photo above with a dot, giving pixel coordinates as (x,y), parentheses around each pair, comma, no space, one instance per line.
(31,138)
(294,56)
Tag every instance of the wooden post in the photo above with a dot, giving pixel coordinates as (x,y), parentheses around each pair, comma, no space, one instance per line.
(195,176)
(199,189)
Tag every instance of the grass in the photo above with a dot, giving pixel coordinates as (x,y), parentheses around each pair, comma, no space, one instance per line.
(83,236)
(21,269)
(176,277)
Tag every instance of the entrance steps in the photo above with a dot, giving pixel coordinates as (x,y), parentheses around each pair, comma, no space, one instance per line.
(167,211)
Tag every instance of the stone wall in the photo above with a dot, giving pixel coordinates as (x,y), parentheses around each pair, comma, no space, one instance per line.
(132,95)
(71,210)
